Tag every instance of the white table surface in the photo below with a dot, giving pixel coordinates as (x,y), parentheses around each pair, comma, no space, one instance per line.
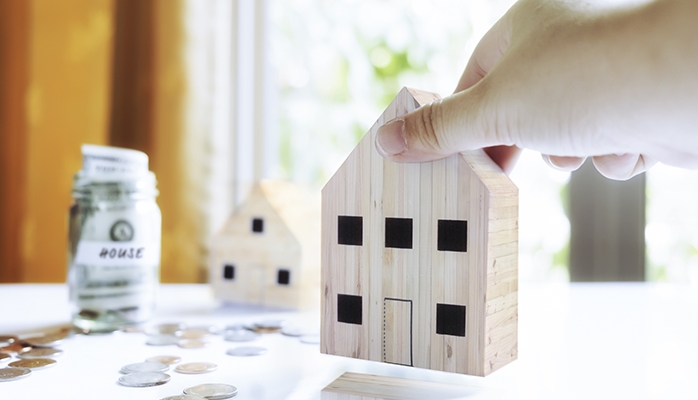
(578,341)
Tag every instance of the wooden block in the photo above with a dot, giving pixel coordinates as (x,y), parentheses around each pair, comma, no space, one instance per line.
(351,386)
(440,240)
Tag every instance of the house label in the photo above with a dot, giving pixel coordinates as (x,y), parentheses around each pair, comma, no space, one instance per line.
(117,253)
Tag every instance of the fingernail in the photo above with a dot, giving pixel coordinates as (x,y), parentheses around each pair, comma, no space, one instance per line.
(390,139)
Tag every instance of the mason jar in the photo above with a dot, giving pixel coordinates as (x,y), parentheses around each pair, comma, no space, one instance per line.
(114,240)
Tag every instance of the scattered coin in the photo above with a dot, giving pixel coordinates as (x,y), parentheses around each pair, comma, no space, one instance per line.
(48,340)
(240,336)
(144,367)
(184,397)
(169,360)
(40,352)
(192,333)
(246,351)
(144,379)
(14,348)
(4,357)
(162,340)
(170,328)
(196,368)
(7,340)
(192,343)
(133,329)
(310,339)
(35,363)
(213,391)
(235,327)
(270,324)
(294,330)
(11,374)
(212,329)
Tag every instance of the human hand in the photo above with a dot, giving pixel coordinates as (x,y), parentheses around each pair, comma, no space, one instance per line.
(570,81)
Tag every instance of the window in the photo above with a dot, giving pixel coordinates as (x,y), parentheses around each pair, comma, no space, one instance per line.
(350,230)
(283,276)
(257,225)
(452,235)
(398,233)
(450,319)
(229,272)
(349,309)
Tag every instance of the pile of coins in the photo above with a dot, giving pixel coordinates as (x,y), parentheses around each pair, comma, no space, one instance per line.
(33,353)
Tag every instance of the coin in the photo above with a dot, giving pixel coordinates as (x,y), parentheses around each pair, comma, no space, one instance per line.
(170,328)
(48,340)
(213,391)
(310,339)
(184,397)
(40,352)
(164,359)
(144,367)
(196,368)
(269,324)
(7,339)
(11,374)
(294,331)
(144,379)
(162,340)
(240,336)
(34,363)
(4,357)
(192,343)
(14,348)
(246,351)
(235,327)
(192,333)
(133,329)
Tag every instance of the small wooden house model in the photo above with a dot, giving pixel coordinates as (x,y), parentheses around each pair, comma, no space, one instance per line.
(267,252)
(420,260)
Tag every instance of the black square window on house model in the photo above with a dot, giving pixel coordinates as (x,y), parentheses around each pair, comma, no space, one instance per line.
(229,272)
(452,235)
(257,225)
(398,233)
(450,319)
(283,276)
(349,309)
(350,230)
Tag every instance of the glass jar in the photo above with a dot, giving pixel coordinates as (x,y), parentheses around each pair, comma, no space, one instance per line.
(114,240)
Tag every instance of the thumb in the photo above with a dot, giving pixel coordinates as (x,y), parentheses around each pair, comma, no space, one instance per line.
(437,130)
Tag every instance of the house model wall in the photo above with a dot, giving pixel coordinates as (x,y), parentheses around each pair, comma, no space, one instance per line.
(267,252)
(420,260)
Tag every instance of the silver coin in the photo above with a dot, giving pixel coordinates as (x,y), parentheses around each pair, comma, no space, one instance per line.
(144,379)
(294,330)
(169,360)
(213,391)
(184,397)
(234,327)
(133,329)
(170,328)
(310,339)
(40,352)
(11,374)
(241,336)
(246,351)
(162,340)
(193,333)
(196,368)
(144,367)
(4,358)
(34,363)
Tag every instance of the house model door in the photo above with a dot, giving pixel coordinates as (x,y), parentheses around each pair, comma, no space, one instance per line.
(254,283)
(397,331)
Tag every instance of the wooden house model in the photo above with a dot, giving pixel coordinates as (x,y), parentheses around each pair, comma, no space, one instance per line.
(420,260)
(268,251)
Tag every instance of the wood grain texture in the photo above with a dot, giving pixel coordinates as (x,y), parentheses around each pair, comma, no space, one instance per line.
(464,187)
(353,386)
(288,241)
